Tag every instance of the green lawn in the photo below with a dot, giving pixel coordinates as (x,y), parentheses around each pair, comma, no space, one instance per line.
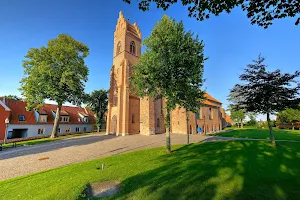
(240,170)
(280,134)
(44,140)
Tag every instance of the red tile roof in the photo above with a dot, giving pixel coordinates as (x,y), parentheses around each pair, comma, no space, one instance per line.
(42,111)
(228,119)
(209,97)
(211,100)
(19,108)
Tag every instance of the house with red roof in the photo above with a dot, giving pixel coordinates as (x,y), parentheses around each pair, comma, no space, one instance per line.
(39,122)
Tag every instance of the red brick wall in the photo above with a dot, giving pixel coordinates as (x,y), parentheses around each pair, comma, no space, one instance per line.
(3,115)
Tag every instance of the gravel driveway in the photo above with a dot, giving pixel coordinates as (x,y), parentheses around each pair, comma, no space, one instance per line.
(30,159)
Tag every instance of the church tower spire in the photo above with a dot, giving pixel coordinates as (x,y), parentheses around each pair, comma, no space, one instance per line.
(124,108)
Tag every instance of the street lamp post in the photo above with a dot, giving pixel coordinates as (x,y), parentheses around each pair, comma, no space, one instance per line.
(6,129)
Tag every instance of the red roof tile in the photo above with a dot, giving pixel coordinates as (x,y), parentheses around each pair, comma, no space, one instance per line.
(19,108)
(211,100)
(228,119)
(42,111)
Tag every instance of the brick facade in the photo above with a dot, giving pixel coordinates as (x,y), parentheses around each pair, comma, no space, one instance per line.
(128,114)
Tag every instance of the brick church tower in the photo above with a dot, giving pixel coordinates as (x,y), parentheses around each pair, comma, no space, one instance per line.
(127,113)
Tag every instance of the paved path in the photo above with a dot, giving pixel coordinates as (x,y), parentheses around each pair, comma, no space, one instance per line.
(30,159)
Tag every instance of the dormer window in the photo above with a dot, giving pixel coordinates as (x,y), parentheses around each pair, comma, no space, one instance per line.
(64,119)
(86,119)
(21,118)
(132,47)
(43,118)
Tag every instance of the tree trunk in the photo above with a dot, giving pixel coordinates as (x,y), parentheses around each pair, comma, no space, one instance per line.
(242,125)
(187,129)
(270,129)
(293,128)
(168,138)
(56,122)
(238,125)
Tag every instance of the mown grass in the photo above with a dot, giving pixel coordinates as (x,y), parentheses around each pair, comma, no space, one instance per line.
(240,170)
(280,134)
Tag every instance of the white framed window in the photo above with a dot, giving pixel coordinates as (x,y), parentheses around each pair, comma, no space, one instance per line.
(21,118)
(77,129)
(86,119)
(58,130)
(68,130)
(40,131)
(43,118)
(64,119)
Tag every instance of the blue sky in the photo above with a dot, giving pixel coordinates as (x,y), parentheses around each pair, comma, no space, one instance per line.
(231,42)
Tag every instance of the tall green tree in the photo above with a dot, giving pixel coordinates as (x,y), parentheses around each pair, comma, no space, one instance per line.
(192,98)
(97,101)
(260,12)
(266,92)
(56,72)
(171,67)
(252,119)
(238,116)
(289,115)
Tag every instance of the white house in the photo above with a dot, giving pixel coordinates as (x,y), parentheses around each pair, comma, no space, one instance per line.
(23,123)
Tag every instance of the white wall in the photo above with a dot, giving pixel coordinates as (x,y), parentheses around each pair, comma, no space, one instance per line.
(33,128)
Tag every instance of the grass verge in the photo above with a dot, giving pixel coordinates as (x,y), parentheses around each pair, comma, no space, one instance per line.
(280,134)
(239,170)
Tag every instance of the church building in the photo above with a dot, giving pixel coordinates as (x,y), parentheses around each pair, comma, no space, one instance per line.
(129,114)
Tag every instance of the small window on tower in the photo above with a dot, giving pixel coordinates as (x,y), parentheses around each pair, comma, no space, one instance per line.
(118,48)
(132,120)
(132,47)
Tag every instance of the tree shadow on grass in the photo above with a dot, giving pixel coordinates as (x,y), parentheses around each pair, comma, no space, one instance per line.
(221,170)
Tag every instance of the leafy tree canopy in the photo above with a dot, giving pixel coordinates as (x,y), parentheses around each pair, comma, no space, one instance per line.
(289,115)
(266,92)
(56,72)
(260,12)
(252,119)
(171,67)
(97,101)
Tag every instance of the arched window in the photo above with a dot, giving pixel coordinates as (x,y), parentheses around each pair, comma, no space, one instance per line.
(118,48)
(132,47)
(132,119)
(157,123)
